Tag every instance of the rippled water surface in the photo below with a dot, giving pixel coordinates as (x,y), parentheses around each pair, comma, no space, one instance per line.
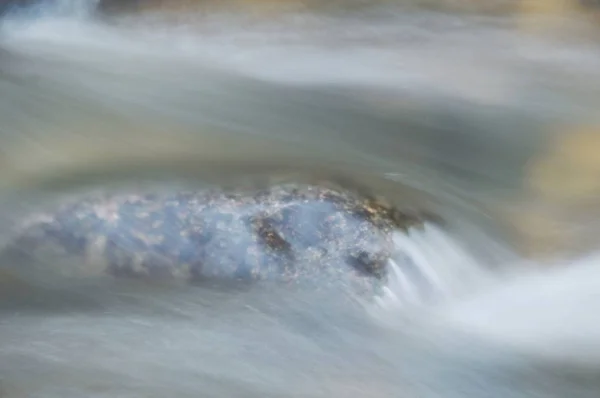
(428,109)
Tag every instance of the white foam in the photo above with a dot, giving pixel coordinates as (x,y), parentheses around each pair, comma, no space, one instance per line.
(429,266)
(543,312)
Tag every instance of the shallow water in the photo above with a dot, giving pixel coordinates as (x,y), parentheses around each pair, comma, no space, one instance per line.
(424,108)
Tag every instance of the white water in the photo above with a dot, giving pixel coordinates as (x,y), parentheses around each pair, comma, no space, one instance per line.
(550,313)
(72,87)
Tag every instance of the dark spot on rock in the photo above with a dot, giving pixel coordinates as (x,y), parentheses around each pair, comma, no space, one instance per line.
(369,263)
(268,234)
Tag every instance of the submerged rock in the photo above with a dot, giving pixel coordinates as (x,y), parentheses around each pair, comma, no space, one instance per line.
(289,233)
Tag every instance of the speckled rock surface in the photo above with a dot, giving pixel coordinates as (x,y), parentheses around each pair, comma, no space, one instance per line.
(288,233)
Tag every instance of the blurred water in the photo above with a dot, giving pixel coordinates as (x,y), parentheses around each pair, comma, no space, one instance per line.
(425,108)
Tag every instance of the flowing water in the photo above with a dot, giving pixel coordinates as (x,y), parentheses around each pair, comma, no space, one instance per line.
(426,108)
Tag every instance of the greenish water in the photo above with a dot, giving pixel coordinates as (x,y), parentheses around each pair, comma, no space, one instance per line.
(427,109)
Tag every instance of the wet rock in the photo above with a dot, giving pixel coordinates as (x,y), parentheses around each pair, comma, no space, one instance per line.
(289,233)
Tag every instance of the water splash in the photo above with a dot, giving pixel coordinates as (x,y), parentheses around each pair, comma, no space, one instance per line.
(541,312)
(430,267)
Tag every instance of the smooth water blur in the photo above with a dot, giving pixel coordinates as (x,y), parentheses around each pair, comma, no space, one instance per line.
(438,110)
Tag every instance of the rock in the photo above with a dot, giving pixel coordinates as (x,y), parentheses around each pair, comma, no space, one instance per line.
(303,234)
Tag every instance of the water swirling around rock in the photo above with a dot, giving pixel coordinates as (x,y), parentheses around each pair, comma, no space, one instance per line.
(85,102)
